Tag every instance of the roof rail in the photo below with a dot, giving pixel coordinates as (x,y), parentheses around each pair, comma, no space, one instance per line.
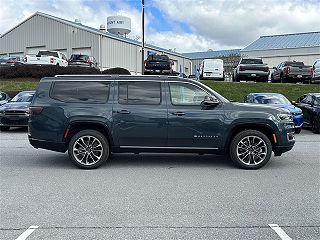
(83,75)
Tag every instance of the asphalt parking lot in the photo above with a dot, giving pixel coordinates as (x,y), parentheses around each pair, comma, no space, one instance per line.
(158,196)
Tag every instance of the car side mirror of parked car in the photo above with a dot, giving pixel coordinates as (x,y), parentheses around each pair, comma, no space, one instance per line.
(210,102)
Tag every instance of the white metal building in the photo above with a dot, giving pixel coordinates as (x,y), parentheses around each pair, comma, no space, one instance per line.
(42,31)
(275,49)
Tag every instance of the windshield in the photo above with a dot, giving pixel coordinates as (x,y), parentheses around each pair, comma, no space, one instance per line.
(294,64)
(317,100)
(271,99)
(79,57)
(48,53)
(251,61)
(23,97)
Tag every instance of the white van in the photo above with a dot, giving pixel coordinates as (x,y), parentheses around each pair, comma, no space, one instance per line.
(212,69)
(316,72)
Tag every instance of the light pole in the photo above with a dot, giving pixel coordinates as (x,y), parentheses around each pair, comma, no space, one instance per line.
(142,43)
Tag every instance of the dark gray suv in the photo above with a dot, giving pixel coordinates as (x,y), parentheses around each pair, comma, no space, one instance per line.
(92,116)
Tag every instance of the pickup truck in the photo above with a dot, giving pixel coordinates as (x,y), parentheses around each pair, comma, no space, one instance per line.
(252,69)
(158,64)
(45,57)
(291,72)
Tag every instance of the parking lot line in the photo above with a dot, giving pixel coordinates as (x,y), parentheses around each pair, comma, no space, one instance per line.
(280,232)
(26,233)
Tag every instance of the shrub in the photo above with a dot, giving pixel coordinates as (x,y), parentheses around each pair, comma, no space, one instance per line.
(36,71)
(117,70)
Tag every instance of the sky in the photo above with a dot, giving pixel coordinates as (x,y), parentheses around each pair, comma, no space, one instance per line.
(180,25)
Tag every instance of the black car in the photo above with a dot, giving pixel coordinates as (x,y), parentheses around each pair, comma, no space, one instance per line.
(4,98)
(91,116)
(80,60)
(310,106)
(15,113)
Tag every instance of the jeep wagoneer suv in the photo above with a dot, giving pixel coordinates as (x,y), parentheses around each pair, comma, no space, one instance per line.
(92,116)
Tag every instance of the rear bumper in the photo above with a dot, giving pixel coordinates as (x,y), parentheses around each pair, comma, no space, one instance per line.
(158,71)
(54,146)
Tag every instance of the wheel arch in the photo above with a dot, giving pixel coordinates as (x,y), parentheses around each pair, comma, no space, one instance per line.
(76,126)
(264,128)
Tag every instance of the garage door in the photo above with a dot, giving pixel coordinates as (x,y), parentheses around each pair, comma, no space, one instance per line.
(34,50)
(84,51)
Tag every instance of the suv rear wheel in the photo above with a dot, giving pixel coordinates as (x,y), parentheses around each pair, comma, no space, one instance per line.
(88,149)
(250,149)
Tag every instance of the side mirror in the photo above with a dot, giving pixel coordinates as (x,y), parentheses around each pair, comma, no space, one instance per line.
(210,102)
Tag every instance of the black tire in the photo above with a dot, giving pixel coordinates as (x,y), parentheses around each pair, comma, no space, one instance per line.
(315,124)
(297,130)
(4,128)
(251,141)
(88,149)
(282,79)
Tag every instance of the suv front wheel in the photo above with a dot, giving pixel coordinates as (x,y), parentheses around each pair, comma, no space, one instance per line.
(88,149)
(250,149)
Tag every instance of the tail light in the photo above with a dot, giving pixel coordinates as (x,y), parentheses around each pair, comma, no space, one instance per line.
(51,60)
(287,70)
(145,63)
(89,61)
(35,110)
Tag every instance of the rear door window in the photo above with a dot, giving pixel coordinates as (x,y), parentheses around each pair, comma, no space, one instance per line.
(139,93)
(84,91)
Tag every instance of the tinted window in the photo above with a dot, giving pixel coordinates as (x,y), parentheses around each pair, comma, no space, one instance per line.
(78,57)
(139,93)
(48,53)
(251,61)
(23,97)
(85,92)
(186,94)
(271,99)
(294,64)
(317,100)
(158,57)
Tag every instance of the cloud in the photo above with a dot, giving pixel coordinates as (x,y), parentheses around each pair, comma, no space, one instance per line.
(212,24)
(238,23)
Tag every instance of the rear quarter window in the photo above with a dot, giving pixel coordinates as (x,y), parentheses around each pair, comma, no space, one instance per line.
(81,92)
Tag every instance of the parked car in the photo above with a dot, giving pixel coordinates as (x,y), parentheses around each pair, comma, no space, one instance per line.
(158,64)
(212,69)
(291,72)
(45,57)
(91,116)
(16,112)
(278,100)
(80,60)
(11,61)
(310,105)
(251,69)
(4,98)
(174,73)
(316,72)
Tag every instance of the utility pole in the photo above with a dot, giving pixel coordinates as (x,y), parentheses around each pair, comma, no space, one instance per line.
(142,43)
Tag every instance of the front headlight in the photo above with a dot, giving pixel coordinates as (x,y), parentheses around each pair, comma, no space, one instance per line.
(285,117)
